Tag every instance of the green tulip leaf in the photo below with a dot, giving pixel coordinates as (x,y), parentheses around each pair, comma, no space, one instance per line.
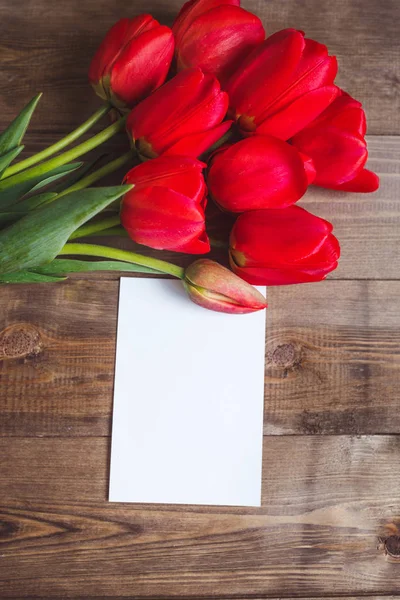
(13,194)
(63,266)
(32,202)
(12,136)
(28,277)
(7,158)
(40,235)
(76,176)
(54,176)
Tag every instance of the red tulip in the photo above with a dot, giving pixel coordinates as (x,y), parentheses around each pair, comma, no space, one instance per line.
(183,117)
(284,83)
(335,142)
(165,209)
(282,246)
(215,35)
(212,286)
(257,172)
(132,61)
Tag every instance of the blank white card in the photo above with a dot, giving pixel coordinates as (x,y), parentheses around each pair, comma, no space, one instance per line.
(188,400)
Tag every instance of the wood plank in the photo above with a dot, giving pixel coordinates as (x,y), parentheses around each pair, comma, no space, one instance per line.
(332,366)
(333,361)
(330,504)
(49,51)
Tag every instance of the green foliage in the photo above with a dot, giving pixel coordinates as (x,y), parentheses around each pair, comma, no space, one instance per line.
(63,266)
(12,136)
(38,237)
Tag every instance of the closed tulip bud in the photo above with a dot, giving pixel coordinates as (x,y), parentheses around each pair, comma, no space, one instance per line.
(183,117)
(257,172)
(282,85)
(336,144)
(215,36)
(132,61)
(212,286)
(165,208)
(282,246)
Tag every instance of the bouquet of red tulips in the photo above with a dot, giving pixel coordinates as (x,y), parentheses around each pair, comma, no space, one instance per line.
(213,110)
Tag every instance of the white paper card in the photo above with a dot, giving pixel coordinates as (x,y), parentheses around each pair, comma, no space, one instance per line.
(188,400)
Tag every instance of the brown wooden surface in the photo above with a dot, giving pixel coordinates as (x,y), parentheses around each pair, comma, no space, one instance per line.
(329,525)
(329,505)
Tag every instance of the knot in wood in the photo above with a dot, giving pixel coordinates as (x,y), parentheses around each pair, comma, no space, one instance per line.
(392,546)
(284,355)
(19,340)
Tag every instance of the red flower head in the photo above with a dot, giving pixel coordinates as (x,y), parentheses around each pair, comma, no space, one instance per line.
(132,61)
(215,35)
(282,246)
(284,83)
(183,117)
(336,144)
(257,172)
(165,209)
(212,286)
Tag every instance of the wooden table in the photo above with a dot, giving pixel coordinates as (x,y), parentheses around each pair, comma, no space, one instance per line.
(330,521)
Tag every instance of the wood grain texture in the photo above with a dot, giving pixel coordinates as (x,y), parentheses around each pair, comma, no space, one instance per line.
(330,522)
(47,50)
(332,358)
(329,506)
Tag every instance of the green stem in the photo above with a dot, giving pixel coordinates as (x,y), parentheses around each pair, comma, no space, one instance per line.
(125,256)
(64,158)
(97,227)
(65,141)
(117,231)
(110,167)
(227,137)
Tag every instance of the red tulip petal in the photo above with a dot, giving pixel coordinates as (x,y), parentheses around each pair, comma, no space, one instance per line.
(219,39)
(192,9)
(164,219)
(265,73)
(327,254)
(258,172)
(180,173)
(315,70)
(108,50)
(309,167)
(194,145)
(365,181)
(143,65)
(338,156)
(278,237)
(269,276)
(297,115)
(189,103)
(345,113)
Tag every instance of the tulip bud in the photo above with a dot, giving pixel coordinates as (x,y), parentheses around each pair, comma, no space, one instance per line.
(282,246)
(282,85)
(165,208)
(183,117)
(212,286)
(132,61)
(215,36)
(257,172)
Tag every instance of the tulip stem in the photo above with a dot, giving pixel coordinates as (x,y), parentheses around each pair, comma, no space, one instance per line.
(227,137)
(66,157)
(96,227)
(118,231)
(65,141)
(110,167)
(125,256)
